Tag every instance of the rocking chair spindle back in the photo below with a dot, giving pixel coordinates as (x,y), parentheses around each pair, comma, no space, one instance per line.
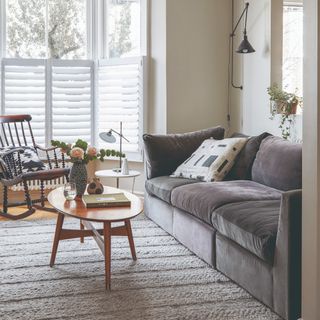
(15,134)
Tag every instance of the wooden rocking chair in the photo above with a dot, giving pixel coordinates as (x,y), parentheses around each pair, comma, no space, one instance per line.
(15,133)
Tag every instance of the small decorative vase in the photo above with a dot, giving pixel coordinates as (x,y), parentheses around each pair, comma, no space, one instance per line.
(95,186)
(125,167)
(79,176)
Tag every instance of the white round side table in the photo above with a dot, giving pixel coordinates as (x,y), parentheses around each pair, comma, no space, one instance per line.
(117,175)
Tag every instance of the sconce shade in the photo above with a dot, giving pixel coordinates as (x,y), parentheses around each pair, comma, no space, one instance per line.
(108,137)
(245,46)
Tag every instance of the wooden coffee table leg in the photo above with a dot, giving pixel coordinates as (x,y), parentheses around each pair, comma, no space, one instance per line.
(56,238)
(107,253)
(130,238)
(81,228)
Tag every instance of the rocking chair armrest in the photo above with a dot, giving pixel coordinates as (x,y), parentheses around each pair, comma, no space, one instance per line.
(45,149)
(6,153)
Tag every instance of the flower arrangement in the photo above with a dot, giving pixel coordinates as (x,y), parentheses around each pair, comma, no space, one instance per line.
(81,152)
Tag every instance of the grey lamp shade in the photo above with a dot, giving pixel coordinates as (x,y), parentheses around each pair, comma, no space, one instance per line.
(245,46)
(107,137)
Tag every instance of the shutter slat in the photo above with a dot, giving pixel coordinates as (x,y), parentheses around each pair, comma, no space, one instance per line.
(71,102)
(120,100)
(24,93)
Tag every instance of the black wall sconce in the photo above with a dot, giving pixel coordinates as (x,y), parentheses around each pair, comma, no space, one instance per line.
(245,46)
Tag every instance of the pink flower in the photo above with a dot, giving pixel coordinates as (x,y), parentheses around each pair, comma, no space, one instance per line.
(92,151)
(77,153)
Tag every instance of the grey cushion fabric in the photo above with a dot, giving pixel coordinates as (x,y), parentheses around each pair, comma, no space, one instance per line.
(243,164)
(251,224)
(246,269)
(162,187)
(164,153)
(278,164)
(196,235)
(201,199)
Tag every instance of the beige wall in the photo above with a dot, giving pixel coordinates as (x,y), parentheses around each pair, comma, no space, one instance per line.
(197,63)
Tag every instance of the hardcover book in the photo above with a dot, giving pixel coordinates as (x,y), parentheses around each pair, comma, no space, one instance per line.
(106,200)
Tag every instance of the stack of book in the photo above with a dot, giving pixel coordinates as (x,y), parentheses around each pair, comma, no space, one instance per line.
(106,200)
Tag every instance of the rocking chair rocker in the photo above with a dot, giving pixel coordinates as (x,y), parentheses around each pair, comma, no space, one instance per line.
(16,137)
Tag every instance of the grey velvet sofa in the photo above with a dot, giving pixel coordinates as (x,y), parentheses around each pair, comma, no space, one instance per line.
(248,226)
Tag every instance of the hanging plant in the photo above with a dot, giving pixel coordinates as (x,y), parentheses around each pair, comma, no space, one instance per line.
(285,104)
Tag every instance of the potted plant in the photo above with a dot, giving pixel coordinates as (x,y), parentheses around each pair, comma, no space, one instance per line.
(81,154)
(285,104)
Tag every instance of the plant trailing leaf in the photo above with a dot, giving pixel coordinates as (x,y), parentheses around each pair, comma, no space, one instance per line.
(83,145)
(283,102)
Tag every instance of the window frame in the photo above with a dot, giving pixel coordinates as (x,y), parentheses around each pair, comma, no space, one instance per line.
(293,4)
(96,13)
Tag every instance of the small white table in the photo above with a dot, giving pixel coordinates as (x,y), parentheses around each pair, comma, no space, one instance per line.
(117,175)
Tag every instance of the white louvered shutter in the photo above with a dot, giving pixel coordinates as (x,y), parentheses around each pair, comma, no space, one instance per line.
(72,100)
(24,92)
(120,98)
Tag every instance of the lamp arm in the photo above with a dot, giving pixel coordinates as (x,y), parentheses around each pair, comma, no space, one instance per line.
(245,10)
(119,134)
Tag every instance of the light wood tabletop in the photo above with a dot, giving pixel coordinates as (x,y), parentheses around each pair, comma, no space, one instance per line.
(77,208)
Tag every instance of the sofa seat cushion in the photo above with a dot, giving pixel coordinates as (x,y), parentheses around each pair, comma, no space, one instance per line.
(251,224)
(201,199)
(162,187)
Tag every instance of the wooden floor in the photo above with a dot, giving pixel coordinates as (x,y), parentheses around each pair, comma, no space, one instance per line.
(37,215)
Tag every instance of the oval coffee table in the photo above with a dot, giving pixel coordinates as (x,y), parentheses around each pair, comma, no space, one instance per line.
(77,209)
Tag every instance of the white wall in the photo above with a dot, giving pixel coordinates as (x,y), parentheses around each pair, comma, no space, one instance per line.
(260,70)
(157,43)
(311,165)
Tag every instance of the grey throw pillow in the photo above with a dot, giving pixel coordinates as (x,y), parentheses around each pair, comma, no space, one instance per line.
(243,164)
(164,153)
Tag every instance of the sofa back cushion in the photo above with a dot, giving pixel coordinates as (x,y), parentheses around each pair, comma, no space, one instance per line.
(243,164)
(164,153)
(278,164)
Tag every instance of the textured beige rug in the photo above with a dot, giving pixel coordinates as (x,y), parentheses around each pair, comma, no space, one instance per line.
(167,281)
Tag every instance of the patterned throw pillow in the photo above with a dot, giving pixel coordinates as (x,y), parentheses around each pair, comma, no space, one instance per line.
(212,160)
(30,160)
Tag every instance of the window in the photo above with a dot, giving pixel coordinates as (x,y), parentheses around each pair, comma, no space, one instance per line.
(123,28)
(45,70)
(46,28)
(292,77)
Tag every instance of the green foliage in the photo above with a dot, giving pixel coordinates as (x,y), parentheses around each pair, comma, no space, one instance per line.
(81,144)
(282,102)
(101,155)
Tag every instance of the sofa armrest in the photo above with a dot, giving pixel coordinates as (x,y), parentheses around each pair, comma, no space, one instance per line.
(164,153)
(287,259)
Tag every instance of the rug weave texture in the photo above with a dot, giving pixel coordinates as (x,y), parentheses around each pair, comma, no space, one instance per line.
(166,282)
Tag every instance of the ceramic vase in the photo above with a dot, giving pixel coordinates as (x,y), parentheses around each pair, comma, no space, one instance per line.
(95,186)
(79,176)
(125,167)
